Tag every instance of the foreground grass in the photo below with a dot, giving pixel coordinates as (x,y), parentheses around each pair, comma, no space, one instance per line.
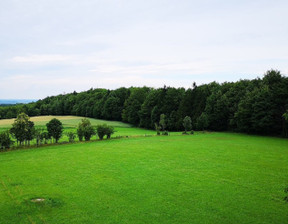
(205,178)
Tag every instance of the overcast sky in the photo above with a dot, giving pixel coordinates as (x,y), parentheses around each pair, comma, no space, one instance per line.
(48,47)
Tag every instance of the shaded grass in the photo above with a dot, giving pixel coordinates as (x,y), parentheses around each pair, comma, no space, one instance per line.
(205,178)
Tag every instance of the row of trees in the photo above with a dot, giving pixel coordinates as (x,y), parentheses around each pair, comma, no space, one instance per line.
(251,106)
(23,131)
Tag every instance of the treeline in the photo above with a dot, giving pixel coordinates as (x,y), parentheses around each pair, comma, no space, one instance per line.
(252,106)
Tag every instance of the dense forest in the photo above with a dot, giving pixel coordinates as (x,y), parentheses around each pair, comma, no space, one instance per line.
(257,106)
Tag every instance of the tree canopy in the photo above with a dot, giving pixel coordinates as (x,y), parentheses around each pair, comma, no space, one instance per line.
(251,106)
(22,129)
(55,129)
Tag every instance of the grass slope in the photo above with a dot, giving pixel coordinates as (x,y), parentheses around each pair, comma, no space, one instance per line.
(205,178)
(70,123)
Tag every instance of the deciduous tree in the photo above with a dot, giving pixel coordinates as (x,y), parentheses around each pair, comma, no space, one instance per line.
(55,129)
(22,128)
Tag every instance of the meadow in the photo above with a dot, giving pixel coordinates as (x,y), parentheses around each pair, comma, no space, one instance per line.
(70,123)
(201,178)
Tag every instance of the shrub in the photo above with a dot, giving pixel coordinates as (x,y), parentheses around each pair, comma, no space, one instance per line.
(85,130)
(71,136)
(80,133)
(45,135)
(165,133)
(109,131)
(5,140)
(103,130)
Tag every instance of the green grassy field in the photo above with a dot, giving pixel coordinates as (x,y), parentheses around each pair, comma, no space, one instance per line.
(201,178)
(70,123)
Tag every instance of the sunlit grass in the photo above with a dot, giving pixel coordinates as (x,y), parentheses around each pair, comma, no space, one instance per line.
(68,121)
(204,178)
(70,124)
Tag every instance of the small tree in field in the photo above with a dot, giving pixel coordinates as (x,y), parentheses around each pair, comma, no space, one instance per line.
(5,140)
(85,130)
(22,129)
(45,136)
(187,123)
(103,130)
(109,131)
(55,129)
(80,133)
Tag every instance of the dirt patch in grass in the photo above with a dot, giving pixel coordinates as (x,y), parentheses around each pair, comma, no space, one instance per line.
(37,200)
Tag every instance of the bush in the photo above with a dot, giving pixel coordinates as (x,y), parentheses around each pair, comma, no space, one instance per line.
(88,132)
(45,135)
(109,131)
(5,140)
(85,130)
(80,133)
(192,132)
(165,133)
(71,136)
(103,130)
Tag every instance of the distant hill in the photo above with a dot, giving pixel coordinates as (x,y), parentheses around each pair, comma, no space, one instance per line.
(16,101)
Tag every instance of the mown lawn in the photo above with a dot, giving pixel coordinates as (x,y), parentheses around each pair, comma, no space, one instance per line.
(204,178)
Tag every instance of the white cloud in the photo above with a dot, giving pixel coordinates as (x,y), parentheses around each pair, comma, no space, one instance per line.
(50,46)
